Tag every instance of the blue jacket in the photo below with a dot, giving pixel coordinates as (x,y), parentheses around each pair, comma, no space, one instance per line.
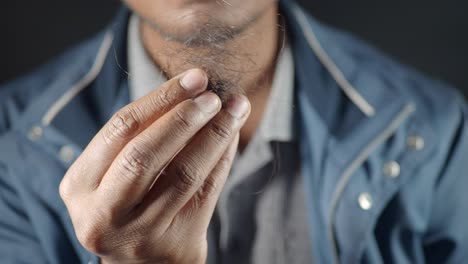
(384,150)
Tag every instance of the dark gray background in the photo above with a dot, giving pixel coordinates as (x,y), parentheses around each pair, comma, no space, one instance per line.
(431,35)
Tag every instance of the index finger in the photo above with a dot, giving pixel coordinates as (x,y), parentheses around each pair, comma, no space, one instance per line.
(129,122)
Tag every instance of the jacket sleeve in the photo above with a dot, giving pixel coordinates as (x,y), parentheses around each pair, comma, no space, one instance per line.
(447,239)
(18,243)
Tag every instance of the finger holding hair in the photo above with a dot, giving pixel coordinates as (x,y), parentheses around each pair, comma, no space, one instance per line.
(125,125)
(187,172)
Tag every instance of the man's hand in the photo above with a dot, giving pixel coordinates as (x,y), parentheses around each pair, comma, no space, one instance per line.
(145,188)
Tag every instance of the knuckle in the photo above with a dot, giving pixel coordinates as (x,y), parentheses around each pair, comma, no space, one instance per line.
(133,163)
(137,249)
(214,183)
(123,125)
(187,177)
(89,241)
(67,187)
(162,99)
(221,131)
(225,163)
(91,237)
(140,226)
(64,190)
(209,190)
(184,120)
(148,225)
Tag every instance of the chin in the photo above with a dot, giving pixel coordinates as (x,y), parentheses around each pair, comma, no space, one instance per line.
(189,21)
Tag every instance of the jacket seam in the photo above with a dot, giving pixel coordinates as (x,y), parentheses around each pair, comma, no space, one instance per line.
(76,88)
(354,165)
(349,90)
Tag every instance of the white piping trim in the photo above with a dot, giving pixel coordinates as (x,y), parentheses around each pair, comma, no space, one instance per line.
(58,105)
(332,68)
(360,159)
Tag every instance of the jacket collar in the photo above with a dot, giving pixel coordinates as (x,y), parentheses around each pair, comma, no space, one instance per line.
(352,101)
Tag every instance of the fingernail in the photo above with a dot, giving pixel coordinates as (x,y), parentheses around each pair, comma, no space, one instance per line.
(208,102)
(194,80)
(237,106)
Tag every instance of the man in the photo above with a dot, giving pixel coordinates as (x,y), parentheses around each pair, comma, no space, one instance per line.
(120,150)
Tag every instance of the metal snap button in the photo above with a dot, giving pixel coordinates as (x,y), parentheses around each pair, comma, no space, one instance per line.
(391,169)
(415,142)
(66,153)
(35,133)
(365,201)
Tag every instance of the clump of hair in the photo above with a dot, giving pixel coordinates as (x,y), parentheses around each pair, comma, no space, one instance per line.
(215,48)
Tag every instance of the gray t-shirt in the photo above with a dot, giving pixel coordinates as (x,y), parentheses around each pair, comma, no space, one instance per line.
(261,215)
(262,219)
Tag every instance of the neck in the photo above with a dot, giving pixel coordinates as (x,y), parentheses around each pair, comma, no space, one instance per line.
(248,61)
